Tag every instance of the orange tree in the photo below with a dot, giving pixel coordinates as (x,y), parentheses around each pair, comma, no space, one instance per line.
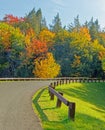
(35,50)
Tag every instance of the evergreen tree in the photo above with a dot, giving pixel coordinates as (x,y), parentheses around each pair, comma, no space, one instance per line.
(38,20)
(77,23)
(94,28)
(57,26)
(74,26)
(44,24)
(31,19)
(35,19)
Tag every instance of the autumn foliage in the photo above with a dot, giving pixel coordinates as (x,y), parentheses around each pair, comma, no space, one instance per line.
(10,36)
(46,68)
(36,48)
(28,48)
(30,35)
(9,18)
(47,36)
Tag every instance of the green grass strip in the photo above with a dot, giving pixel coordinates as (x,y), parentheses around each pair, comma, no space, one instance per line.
(90,107)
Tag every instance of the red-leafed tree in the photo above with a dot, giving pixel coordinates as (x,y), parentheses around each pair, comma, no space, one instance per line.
(9,18)
(36,49)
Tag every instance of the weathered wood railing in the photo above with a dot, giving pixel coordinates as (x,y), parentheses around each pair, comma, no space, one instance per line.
(60,79)
(77,80)
(59,95)
(60,99)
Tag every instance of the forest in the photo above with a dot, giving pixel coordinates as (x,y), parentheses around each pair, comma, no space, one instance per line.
(31,48)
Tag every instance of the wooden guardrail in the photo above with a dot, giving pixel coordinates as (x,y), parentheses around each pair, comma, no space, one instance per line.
(78,80)
(60,99)
(24,79)
(59,95)
(60,79)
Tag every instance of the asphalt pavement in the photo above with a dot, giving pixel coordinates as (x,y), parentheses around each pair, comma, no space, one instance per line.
(16,111)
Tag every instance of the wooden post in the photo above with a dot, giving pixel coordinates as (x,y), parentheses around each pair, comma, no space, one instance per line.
(51,84)
(54,84)
(71,111)
(49,90)
(59,101)
(72,80)
(79,80)
(51,96)
(60,82)
(66,81)
(63,81)
(53,87)
(57,83)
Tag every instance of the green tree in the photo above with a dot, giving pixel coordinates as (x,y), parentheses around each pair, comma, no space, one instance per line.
(74,26)
(12,47)
(61,51)
(35,20)
(94,28)
(44,24)
(56,24)
(88,52)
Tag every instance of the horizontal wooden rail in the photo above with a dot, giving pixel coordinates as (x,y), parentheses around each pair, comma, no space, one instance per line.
(61,79)
(68,80)
(60,99)
(59,96)
(19,78)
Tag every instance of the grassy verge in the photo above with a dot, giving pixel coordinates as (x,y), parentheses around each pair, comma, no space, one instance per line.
(90,107)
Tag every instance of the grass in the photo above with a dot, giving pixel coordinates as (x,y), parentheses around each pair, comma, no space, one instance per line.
(90,107)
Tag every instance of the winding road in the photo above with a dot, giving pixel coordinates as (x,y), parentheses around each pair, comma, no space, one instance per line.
(16,111)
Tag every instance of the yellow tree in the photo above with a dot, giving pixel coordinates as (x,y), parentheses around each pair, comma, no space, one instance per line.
(80,38)
(80,51)
(10,36)
(47,37)
(47,68)
(30,35)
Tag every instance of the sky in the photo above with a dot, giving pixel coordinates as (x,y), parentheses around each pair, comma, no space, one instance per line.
(67,9)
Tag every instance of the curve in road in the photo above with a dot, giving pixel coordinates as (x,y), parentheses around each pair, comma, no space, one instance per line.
(16,111)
